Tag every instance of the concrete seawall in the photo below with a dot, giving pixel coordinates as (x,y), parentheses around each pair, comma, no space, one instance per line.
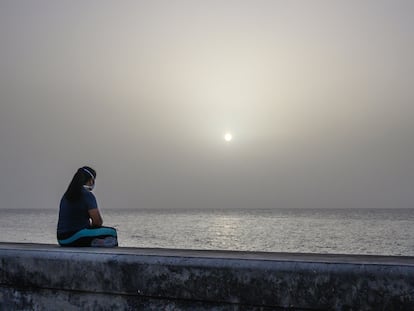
(48,277)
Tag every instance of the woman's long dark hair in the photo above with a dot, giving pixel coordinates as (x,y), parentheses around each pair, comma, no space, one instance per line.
(74,191)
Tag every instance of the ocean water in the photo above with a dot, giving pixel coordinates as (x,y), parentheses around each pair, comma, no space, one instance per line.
(339,231)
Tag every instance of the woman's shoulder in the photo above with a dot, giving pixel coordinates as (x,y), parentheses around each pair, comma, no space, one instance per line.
(89,197)
(87,194)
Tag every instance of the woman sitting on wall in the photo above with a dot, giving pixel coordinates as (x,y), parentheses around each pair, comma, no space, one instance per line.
(80,222)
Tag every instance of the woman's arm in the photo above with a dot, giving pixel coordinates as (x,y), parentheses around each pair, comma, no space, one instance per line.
(96,217)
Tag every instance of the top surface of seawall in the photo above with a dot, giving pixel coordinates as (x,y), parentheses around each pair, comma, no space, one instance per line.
(218,254)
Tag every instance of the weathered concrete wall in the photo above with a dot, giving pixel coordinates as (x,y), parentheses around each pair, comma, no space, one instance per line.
(47,277)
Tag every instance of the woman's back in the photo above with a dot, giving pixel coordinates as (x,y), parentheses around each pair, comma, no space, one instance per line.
(74,216)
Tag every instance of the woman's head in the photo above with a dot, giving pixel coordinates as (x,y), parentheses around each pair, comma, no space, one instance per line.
(84,178)
(90,177)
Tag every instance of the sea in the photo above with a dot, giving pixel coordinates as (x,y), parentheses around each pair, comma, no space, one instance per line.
(333,231)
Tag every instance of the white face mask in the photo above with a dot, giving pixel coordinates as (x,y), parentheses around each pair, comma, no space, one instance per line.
(89,188)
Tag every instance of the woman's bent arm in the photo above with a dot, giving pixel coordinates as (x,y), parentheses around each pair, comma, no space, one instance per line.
(95,217)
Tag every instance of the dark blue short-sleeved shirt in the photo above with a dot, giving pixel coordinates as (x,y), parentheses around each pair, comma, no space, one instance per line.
(74,216)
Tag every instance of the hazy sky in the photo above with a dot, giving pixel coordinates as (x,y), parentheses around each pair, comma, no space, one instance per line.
(318,95)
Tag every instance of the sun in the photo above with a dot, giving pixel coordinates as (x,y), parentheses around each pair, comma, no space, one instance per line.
(228,137)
